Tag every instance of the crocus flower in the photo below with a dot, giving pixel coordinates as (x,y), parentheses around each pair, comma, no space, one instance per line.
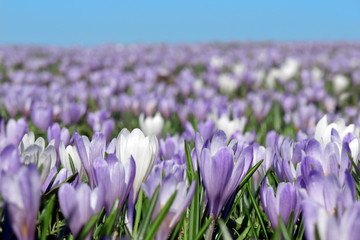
(100,121)
(329,193)
(324,133)
(287,200)
(144,151)
(64,154)
(221,171)
(169,147)
(206,129)
(151,125)
(54,132)
(79,204)
(230,126)
(115,178)
(340,83)
(41,115)
(173,182)
(35,152)
(21,193)
(320,224)
(12,132)
(89,151)
(227,83)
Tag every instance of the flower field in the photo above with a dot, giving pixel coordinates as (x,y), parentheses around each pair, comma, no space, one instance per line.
(187,141)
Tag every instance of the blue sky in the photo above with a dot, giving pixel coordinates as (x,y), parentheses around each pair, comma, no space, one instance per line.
(92,22)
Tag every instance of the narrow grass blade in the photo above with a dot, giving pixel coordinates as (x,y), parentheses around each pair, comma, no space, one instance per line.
(203,229)
(138,208)
(89,226)
(224,230)
(147,220)
(257,211)
(159,219)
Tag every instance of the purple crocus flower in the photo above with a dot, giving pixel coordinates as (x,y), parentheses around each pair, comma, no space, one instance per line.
(54,132)
(100,121)
(72,112)
(206,129)
(329,193)
(222,169)
(41,115)
(89,151)
(9,160)
(287,200)
(115,178)
(79,204)
(169,147)
(21,193)
(168,186)
(319,222)
(12,132)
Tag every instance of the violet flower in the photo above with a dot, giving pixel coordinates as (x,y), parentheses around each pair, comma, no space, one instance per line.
(174,181)
(287,200)
(222,170)
(79,204)
(115,178)
(21,193)
(89,151)
(41,115)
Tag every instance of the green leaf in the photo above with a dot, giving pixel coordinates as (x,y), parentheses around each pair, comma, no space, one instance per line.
(290,225)
(249,174)
(194,221)
(107,228)
(224,230)
(72,165)
(203,229)
(300,230)
(189,166)
(46,220)
(283,229)
(354,166)
(55,189)
(138,208)
(147,219)
(89,226)
(159,219)
(245,232)
(257,211)
(175,233)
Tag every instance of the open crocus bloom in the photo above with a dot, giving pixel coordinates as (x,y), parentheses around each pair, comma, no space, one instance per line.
(338,131)
(151,125)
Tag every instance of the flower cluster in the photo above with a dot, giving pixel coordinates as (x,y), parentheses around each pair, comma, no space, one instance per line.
(180,141)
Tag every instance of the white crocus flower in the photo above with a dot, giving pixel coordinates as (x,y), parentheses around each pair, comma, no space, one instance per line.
(317,74)
(238,70)
(198,85)
(272,77)
(34,152)
(151,125)
(230,126)
(65,160)
(144,151)
(227,84)
(216,62)
(340,83)
(323,134)
(289,69)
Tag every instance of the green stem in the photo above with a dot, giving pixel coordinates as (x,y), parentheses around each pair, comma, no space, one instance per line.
(210,231)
